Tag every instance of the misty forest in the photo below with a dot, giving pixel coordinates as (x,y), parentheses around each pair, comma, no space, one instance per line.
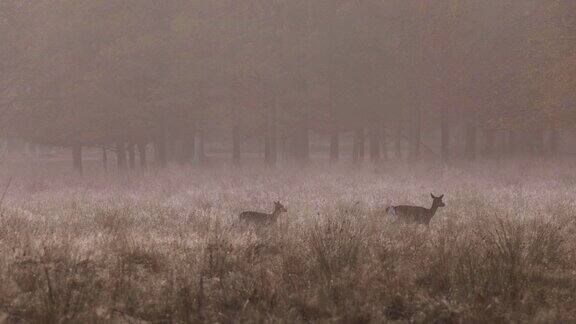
(287,161)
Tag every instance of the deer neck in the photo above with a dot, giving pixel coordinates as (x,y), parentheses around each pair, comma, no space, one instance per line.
(432,210)
(275,213)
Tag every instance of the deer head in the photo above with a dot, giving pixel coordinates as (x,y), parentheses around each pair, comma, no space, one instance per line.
(437,201)
(279,208)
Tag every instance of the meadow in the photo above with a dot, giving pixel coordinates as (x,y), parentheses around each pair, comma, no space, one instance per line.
(166,246)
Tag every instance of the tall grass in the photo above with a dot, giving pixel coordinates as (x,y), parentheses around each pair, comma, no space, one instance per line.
(167,247)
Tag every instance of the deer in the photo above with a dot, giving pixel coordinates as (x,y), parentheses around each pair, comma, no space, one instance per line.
(263,218)
(416,214)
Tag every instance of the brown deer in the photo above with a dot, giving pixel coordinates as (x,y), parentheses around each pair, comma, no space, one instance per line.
(415,214)
(263,218)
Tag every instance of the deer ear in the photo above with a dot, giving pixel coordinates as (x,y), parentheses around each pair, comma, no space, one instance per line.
(441,197)
(431,195)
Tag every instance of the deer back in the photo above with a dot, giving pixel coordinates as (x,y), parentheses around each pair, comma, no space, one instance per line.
(414,214)
(257,217)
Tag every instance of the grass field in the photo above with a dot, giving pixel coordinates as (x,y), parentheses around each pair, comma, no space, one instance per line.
(165,247)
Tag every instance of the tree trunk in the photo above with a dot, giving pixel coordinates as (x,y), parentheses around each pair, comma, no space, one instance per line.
(201,149)
(305,144)
(179,151)
(301,144)
(539,143)
(105,158)
(334,144)
(490,142)
(142,155)
(554,142)
(188,145)
(273,136)
(285,148)
(526,143)
(266,147)
(171,148)
(334,129)
(398,142)
(502,148)
(273,146)
(160,150)
(511,150)
(236,145)
(121,155)
(132,156)
(445,137)
(270,154)
(77,158)
(359,143)
(471,141)
(375,144)
(383,141)
(156,153)
(192,145)
(415,137)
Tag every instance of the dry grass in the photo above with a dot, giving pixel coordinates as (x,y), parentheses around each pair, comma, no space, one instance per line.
(166,248)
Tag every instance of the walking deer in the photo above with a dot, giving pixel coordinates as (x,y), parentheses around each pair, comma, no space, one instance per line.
(263,218)
(415,214)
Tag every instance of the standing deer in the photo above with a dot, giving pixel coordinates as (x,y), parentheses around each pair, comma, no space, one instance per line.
(263,218)
(415,214)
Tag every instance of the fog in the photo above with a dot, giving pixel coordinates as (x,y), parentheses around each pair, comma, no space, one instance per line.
(133,133)
(431,79)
